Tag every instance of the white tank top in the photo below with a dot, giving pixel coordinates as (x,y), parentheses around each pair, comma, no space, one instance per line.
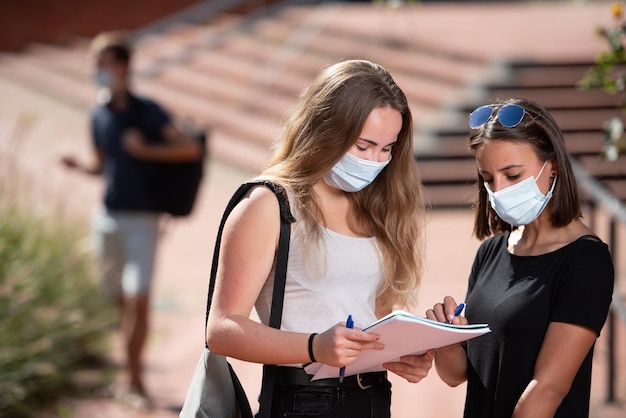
(324,286)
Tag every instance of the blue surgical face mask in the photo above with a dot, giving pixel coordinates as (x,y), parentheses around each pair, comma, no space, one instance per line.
(352,174)
(521,203)
(103,78)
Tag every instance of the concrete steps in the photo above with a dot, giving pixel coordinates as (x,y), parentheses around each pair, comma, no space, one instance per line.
(47,80)
(241,77)
(579,114)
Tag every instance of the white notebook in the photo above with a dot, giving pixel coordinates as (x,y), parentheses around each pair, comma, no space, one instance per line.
(403,334)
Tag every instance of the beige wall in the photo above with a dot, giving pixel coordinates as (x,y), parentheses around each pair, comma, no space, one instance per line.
(60,21)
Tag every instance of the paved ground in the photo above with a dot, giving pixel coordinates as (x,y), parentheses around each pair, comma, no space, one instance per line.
(179,296)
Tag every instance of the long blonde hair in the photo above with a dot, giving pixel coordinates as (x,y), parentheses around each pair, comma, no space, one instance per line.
(325,123)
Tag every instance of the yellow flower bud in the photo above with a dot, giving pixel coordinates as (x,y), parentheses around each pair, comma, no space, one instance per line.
(617,9)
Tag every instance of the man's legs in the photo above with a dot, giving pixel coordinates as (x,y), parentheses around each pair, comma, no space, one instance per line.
(140,234)
(108,249)
(125,245)
(135,331)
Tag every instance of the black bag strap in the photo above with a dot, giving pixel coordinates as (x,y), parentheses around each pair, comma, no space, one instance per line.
(282,256)
(240,395)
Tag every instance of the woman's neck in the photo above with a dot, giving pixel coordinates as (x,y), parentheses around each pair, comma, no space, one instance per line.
(336,207)
(541,237)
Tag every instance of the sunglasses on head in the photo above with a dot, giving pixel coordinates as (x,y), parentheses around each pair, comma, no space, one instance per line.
(509,115)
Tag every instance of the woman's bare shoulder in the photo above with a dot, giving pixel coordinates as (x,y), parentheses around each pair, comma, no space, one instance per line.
(259,207)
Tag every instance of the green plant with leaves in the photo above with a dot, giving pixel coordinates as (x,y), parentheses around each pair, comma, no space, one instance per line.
(53,319)
(609,74)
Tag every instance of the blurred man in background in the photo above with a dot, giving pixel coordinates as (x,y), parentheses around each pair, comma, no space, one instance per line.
(126,228)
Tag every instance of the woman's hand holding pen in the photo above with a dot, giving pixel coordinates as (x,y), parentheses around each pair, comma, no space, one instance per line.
(339,346)
(450,361)
(447,312)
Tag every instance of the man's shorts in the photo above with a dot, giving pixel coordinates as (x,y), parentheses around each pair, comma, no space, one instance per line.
(125,247)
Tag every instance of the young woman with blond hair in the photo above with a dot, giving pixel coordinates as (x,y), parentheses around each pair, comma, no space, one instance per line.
(346,163)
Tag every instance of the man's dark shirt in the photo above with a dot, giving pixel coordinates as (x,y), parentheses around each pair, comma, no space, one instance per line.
(125,175)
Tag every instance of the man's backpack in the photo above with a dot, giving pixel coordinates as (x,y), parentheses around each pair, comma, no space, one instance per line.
(172,187)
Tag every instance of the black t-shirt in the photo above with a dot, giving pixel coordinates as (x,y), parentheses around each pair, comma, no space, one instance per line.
(518,296)
(125,176)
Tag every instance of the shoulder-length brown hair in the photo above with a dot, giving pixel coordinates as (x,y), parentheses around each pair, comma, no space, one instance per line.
(325,123)
(539,129)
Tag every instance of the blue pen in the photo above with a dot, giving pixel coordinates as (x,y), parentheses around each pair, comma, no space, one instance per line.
(458,310)
(342,371)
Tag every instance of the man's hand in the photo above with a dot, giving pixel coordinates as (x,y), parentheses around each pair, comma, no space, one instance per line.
(70,162)
(134,143)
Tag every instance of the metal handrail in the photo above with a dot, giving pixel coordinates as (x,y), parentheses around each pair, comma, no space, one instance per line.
(295,44)
(200,12)
(599,193)
(616,210)
(194,13)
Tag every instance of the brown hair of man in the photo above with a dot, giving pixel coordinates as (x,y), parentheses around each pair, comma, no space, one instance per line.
(116,43)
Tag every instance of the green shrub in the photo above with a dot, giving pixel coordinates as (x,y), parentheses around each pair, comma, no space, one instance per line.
(53,319)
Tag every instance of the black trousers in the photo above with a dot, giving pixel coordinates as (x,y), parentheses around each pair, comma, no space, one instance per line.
(361,396)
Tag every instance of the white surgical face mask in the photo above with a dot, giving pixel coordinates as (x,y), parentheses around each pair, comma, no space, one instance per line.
(521,203)
(352,174)
(103,78)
